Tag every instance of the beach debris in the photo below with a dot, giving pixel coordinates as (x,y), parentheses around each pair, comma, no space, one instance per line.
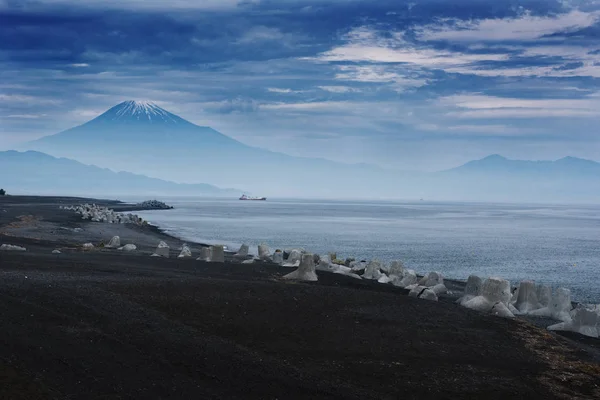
(431,279)
(263,252)
(278,257)
(472,289)
(162,250)
(527,300)
(306,270)
(242,252)
(10,247)
(154,205)
(373,270)
(114,243)
(185,251)
(585,319)
(217,253)
(559,306)
(294,258)
(88,246)
(56,251)
(128,247)
(493,291)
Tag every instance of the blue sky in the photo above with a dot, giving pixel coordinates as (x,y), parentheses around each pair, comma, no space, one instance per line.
(414,85)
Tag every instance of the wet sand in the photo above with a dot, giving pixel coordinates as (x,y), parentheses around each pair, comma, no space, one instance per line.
(105,324)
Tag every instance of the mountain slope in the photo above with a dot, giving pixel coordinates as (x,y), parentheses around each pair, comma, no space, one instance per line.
(40,173)
(143,138)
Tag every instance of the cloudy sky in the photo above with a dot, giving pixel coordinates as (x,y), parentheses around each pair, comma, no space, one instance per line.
(414,85)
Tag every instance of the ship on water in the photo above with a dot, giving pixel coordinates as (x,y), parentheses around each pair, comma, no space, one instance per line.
(244,197)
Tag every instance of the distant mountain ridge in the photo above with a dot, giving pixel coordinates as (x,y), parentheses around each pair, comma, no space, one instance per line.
(39,173)
(145,139)
(498,164)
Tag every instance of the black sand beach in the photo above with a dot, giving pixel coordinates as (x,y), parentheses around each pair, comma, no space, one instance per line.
(104,324)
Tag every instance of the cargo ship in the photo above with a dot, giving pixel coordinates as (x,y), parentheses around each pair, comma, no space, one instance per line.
(244,197)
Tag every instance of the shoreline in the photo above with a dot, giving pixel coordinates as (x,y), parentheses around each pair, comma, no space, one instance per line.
(119,322)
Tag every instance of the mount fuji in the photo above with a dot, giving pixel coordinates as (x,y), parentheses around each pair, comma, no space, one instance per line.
(143,138)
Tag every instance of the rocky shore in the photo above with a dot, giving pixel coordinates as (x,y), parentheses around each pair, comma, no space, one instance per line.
(104,323)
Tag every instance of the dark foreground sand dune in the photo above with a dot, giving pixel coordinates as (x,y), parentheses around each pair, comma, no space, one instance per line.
(105,325)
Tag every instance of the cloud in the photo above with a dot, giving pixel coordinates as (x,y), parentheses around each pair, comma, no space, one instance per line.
(283,90)
(523,113)
(524,27)
(26,116)
(404,52)
(132,4)
(18,98)
(479,102)
(482,106)
(317,106)
(261,33)
(339,89)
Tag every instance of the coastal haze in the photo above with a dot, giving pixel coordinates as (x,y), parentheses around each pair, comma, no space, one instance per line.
(143,138)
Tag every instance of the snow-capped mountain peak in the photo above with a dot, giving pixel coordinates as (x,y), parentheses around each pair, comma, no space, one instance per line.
(140,111)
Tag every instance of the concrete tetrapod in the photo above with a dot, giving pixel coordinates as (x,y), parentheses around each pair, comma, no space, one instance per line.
(306,270)
(495,291)
(114,243)
(431,279)
(162,250)
(527,300)
(278,258)
(264,253)
(373,270)
(472,289)
(242,252)
(293,259)
(559,307)
(185,251)
(217,253)
(396,269)
(585,319)
(409,278)
(205,254)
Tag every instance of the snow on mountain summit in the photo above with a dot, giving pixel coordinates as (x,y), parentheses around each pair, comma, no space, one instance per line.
(133,110)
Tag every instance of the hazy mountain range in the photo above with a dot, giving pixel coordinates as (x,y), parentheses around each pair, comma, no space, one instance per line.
(32,172)
(145,139)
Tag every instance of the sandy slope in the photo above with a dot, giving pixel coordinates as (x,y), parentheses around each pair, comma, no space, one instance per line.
(101,324)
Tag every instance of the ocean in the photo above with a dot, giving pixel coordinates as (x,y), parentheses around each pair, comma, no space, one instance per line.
(558,245)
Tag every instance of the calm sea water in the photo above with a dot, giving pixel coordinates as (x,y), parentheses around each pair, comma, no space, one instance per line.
(557,245)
